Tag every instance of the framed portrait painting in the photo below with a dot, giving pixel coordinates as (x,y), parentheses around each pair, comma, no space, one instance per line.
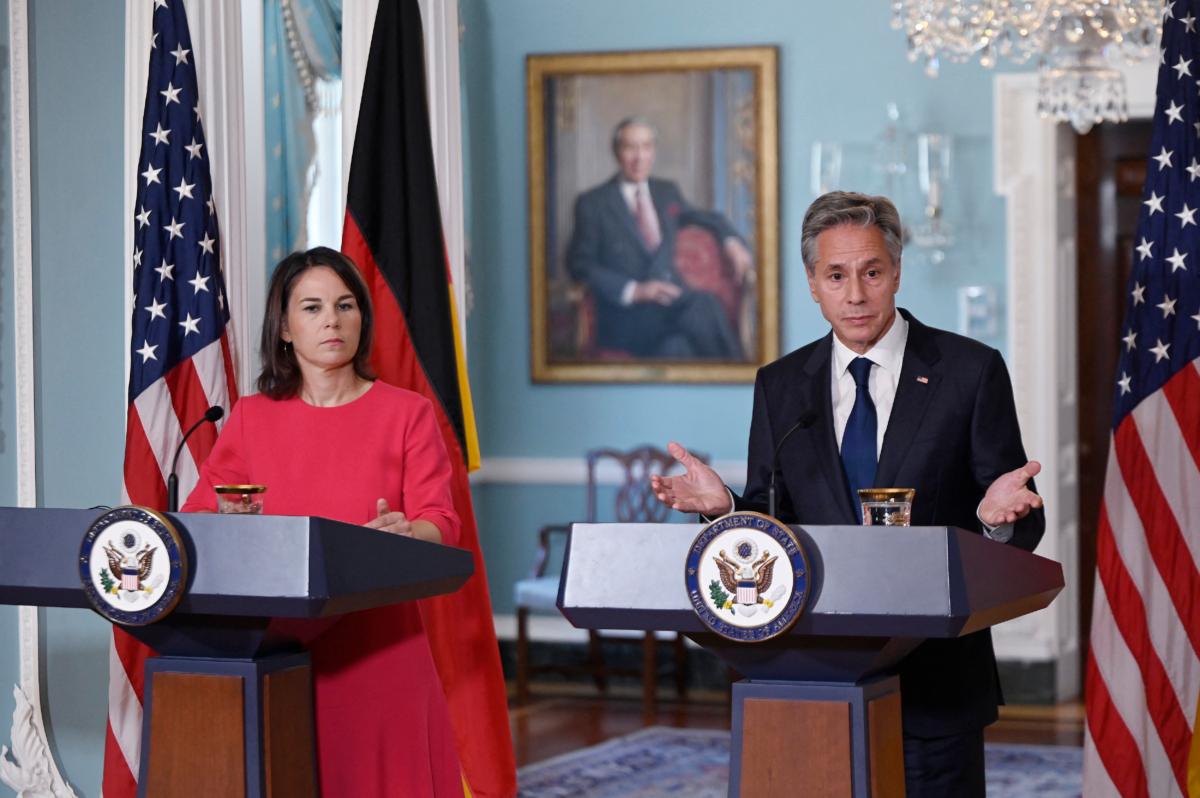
(653,209)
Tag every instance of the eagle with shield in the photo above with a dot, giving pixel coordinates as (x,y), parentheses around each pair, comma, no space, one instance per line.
(746,575)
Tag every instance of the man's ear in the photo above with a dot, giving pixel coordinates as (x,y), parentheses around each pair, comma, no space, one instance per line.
(812,285)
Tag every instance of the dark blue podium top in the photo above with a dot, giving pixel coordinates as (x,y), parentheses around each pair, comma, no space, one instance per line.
(245,571)
(875,593)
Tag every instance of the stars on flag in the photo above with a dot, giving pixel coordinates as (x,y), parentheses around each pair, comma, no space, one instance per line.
(147,352)
(1165,249)
(161,136)
(198,283)
(177,273)
(1177,260)
(171,93)
(1167,306)
(156,310)
(190,325)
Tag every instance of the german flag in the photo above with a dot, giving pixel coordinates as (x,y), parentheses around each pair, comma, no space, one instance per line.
(393,232)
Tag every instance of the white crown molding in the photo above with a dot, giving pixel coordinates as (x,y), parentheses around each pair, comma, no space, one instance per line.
(1041,350)
(573,471)
(34,771)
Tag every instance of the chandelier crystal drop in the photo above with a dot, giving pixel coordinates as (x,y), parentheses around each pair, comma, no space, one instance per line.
(1078,45)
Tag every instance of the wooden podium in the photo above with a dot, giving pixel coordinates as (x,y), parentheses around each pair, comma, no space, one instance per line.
(818,713)
(228,703)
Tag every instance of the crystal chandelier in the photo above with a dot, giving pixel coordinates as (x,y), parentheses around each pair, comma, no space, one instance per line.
(1077,44)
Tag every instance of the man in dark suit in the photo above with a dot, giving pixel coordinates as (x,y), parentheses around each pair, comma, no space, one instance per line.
(623,248)
(884,401)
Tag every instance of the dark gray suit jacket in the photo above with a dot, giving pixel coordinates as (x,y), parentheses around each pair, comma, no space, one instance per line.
(950,435)
(606,252)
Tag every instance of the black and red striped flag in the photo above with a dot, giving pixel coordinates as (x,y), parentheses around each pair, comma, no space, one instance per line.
(393,232)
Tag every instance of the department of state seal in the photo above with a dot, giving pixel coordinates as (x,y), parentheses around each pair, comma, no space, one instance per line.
(133,566)
(747,577)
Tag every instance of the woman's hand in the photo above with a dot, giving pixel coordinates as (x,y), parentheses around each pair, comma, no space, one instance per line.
(398,524)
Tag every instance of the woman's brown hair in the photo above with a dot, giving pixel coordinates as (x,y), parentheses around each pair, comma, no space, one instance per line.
(280,377)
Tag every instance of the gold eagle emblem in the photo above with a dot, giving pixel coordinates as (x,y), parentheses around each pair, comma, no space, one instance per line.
(759,571)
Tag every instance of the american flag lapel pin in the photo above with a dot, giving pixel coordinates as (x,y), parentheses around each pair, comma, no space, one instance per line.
(923,380)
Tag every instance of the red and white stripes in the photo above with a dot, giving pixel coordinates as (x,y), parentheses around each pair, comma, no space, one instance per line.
(157,420)
(1143,674)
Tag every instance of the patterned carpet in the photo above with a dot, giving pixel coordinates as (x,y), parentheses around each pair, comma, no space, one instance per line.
(684,762)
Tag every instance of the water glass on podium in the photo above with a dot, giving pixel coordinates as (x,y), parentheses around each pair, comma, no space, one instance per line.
(886,506)
(240,498)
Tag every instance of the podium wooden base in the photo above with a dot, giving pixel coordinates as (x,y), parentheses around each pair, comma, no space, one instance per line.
(241,728)
(818,739)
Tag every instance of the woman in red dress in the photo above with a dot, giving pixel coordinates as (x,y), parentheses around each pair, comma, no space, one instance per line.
(329,440)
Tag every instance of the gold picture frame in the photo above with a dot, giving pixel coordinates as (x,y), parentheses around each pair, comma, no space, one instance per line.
(597,267)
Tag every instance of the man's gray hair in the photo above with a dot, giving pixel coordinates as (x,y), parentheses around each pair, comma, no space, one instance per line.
(628,121)
(847,207)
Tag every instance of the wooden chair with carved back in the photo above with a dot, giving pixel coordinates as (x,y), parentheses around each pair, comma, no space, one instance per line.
(633,502)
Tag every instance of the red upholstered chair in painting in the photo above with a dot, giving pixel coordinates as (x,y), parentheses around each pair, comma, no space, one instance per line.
(702,265)
(633,501)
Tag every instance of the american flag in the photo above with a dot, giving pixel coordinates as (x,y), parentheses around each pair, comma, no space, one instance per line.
(1143,671)
(181,359)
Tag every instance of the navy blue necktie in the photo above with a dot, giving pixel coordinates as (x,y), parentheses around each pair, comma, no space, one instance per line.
(858,441)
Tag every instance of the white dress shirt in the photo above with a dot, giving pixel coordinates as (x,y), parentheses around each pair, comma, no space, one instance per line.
(888,357)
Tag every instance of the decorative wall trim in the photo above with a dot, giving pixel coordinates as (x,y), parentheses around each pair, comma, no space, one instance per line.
(34,771)
(1026,166)
(573,471)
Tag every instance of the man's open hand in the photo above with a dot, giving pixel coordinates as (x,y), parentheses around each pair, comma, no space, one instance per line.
(697,490)
(1007,499)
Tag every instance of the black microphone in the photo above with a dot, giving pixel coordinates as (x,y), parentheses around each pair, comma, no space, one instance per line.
(213,415)
(805,421)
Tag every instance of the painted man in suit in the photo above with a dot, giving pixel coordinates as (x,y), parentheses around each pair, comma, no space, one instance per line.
(623,248)
(884,401)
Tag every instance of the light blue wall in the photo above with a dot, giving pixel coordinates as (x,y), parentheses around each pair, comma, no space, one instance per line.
(839,65)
